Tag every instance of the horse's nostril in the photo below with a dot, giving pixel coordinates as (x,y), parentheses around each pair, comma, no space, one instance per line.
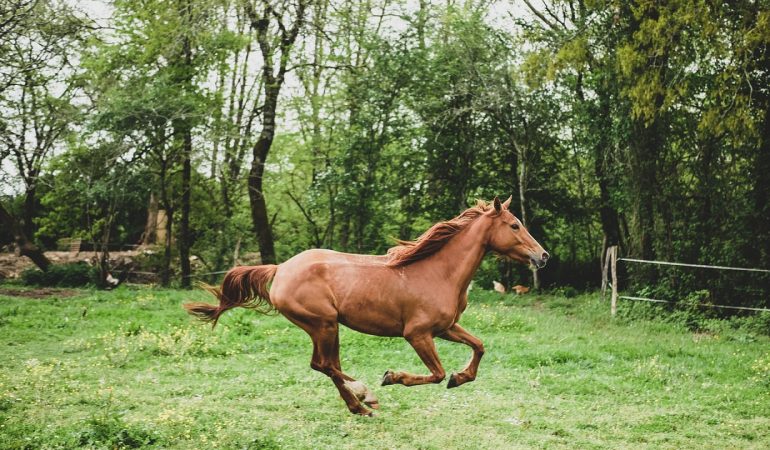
(545,256)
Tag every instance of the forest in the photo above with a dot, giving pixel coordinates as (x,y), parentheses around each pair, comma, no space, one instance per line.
(274,126)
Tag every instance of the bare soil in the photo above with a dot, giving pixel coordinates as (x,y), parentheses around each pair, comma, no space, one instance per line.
(11,266)
(38,293)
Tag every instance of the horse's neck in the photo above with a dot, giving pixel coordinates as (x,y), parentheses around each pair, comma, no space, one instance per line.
(458,260)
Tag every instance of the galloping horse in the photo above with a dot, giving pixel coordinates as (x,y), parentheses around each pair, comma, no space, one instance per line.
(418,291)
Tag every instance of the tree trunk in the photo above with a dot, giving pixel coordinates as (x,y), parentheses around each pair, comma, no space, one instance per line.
(259,216)
(761,192)
(647,137)
(183,132)
(165,273)
(522,156)
(759,251)
(30,205)
(168,213)
(150,228)
(644,154)
(103,254)
(26,248)
(345,233)
(607,213)
(184,222)
(272,82)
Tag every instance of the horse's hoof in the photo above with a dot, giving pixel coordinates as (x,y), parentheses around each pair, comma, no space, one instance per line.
(373,404)
(357,388)
(452,382)
(387,379)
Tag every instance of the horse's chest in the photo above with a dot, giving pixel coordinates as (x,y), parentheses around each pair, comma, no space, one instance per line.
(461,305)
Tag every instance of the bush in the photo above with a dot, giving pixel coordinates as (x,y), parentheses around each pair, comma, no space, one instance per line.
(486,273)
(565,291)
(151,259)
(758,323)
(109,430)
(693,312)
(61,275)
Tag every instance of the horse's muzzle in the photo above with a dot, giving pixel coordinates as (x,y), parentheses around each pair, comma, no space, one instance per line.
(540,261)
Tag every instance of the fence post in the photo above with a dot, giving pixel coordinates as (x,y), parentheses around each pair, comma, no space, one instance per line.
(614,301)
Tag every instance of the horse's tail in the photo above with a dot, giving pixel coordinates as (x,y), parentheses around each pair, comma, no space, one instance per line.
(245,286)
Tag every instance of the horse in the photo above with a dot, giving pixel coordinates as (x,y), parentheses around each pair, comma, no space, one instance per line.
(417,291)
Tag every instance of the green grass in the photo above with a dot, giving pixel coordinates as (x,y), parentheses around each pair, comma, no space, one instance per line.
(129,368)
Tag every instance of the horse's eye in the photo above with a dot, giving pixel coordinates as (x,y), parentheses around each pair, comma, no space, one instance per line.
(515,226)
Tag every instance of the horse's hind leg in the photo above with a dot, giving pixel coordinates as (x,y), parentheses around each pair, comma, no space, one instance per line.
(358,388)
(326,360)
(457,334)
(426,350)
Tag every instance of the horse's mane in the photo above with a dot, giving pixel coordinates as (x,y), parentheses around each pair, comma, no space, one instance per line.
(435,238)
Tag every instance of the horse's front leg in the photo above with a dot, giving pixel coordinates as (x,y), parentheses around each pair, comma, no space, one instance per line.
(456,333)
(426,350)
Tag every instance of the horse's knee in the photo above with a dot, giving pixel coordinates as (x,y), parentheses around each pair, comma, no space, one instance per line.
(438,376)
(480,349)
(325,369)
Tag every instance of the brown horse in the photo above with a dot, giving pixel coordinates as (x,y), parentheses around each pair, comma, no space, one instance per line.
(417,290)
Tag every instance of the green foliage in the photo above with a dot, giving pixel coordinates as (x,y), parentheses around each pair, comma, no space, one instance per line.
(96,194)
(566,292)
(110,430)
(61,275)
(150,260)
(642,123)
(486,274)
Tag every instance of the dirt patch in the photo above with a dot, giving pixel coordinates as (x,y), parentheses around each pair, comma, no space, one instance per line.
(38,293)
(11,265)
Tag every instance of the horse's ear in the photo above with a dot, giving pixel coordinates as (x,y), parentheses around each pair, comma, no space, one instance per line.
(507,203)
(498,206)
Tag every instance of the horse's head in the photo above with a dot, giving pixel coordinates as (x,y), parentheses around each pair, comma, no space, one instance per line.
(508,237)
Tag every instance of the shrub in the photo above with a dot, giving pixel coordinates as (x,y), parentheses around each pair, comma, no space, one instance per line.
(758,323)
(151,259)
(565,291)
(693,312)
(63,275)
(109,430)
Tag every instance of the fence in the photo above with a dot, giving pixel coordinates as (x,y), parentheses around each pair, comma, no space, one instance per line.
(610,262)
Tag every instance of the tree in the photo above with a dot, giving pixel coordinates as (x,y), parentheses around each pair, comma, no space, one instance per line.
(268,22)
(236,98)
(146,88)
(580,42)
(38,90)
(96,194)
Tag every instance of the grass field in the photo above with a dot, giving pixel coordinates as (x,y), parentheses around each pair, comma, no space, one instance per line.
(129,368)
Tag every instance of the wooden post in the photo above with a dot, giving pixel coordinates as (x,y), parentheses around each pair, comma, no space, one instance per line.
(614,301)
